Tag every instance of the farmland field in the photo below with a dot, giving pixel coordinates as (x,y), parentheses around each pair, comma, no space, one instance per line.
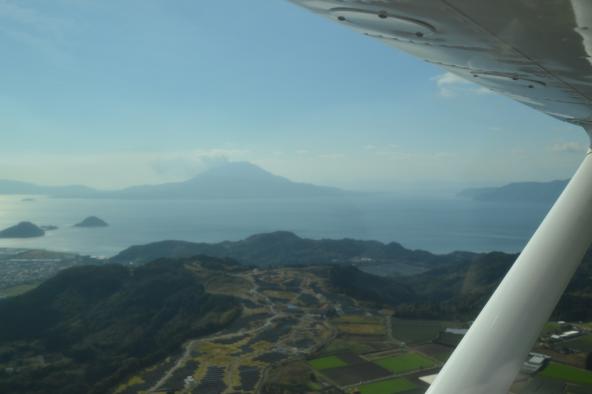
(435,351)
(419,331)
(349,345)
(449,339)
(355,374)
(359,319)
(544,386)
(405,363)
(17,290)
(352,358)
(583,343)
(390,386)
(567,373)
(361,329)
(327,363)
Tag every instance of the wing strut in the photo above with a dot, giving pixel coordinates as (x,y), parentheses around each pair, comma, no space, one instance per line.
(490,355)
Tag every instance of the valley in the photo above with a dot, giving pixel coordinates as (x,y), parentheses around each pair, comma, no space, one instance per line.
(298,334)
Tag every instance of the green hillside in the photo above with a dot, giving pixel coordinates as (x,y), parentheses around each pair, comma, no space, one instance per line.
(286,248)
(457,291)
(88,327)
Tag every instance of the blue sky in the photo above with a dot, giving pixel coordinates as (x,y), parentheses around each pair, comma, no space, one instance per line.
(111,93)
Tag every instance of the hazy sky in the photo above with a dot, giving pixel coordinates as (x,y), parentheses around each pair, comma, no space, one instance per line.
(110,93)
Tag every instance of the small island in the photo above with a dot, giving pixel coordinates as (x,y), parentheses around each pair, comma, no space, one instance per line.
(22,230)
(92,221)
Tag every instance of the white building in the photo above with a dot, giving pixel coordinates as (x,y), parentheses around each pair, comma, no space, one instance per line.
(566,335)
(535,362)
(456,331)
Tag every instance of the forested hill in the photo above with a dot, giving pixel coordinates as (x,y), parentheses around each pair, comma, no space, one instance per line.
(457,291)
(92,325)
(286,248)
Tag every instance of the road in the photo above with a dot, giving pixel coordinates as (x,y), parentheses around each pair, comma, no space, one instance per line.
(192,343)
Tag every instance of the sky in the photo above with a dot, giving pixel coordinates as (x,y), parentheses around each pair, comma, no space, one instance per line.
(114,93)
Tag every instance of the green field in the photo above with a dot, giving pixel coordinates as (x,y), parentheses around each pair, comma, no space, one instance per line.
(435,351)
(405,363)
(18,290)
(388,387)
(419,331)
(442,357)
(583,343)
(327,362)
(567,373)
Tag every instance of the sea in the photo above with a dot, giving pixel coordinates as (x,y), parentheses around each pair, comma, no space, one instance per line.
(438,225)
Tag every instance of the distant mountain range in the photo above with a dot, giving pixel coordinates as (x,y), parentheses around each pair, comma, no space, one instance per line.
(17,187)
(230,180)
(286,248)
(543,192)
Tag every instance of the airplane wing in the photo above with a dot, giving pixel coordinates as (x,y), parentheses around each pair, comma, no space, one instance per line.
(537,52)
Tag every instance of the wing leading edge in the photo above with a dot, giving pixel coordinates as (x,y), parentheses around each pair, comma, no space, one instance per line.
(536,52)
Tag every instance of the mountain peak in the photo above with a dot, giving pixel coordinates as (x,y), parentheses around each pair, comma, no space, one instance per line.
(92,221)
(274,237)
(235,169)
(239,179)
(235,179)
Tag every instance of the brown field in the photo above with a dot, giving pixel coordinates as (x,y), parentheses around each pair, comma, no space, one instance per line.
(293,373)
(360,319)
(353,345)
(361,329)
(438,352)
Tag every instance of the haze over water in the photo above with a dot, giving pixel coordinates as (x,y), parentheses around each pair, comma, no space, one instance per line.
(437,225)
